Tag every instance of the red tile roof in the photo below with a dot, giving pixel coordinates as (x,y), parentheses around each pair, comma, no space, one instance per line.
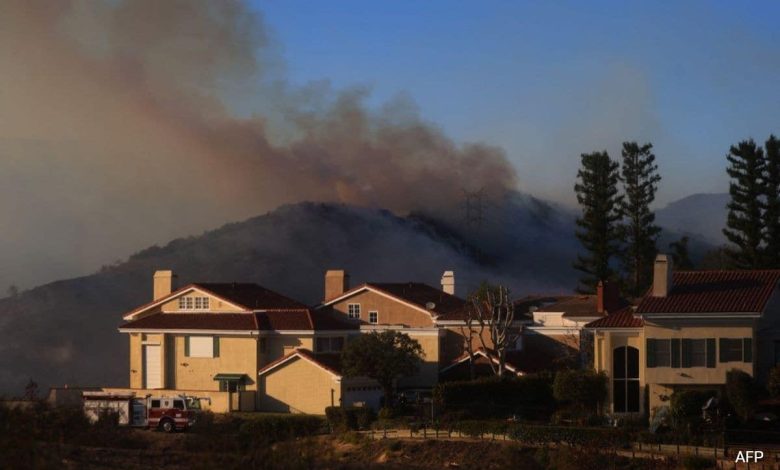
(621,319)
(331,362)
(444,306)
(714,292)
(250,296)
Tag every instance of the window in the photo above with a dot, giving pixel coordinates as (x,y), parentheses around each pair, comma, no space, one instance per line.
(625,379)
(200,346)
(659,352)
(736,350)
(193,303)
(373,317)
(698,355)
(155,403)
(328,344)
(353,311)
(178,404)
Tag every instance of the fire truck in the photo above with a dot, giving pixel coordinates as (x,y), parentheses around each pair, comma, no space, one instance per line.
(169,414)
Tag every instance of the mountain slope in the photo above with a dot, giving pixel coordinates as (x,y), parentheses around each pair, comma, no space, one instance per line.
(65,331)
(701,215)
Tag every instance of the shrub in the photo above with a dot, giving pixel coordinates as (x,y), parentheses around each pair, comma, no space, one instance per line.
(583,389)
(773,382)
(573,436)
(342,419)
(697,462)
(685,408)
(265,429)
(529,397)
(741,393)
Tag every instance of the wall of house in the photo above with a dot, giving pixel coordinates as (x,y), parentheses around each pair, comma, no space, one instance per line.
(237,355)
(428,374)
(215,304)
(136,358)
(281,345)
(299,386)
(391,311)
(698,330)
(607,341)
(454,341)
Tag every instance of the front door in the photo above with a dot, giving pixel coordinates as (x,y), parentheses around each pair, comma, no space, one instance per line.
(152,366)
(625,380)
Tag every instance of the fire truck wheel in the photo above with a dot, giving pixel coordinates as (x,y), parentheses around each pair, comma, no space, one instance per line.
(168,425)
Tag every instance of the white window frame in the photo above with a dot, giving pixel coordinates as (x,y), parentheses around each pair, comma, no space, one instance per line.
(192,302)
(353,311)
(373,316)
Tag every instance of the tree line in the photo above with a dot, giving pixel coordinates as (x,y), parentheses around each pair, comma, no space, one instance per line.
(617,228)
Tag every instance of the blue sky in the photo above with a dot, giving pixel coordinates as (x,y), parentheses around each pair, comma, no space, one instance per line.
(547,81)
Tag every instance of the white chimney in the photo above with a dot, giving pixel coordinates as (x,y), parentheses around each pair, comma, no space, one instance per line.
(662,276)
(164,283)
(448,282)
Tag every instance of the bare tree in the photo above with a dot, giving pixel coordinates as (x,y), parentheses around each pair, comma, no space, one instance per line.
(495,312)
(468,331)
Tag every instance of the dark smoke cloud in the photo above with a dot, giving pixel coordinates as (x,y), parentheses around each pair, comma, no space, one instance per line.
(118,129)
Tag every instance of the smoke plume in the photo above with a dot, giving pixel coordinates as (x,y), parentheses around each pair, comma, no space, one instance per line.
(127,123)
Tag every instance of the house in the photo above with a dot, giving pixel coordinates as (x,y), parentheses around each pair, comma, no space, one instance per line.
(244,347)
(212,340)
(687,332)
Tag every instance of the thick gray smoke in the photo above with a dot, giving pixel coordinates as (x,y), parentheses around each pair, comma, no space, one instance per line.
(118,129)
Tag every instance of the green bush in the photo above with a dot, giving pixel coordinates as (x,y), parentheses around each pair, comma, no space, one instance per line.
(773,382)
(697,462)
(343,419)
(529,397)
(685,408)
(741,393)
(581,389)
(573,436)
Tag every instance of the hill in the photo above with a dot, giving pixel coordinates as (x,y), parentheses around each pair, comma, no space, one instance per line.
(699,215)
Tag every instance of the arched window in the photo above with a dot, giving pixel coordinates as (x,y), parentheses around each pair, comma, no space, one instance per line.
(625,379)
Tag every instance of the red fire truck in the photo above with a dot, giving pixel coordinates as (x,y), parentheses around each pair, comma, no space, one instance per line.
(169,414)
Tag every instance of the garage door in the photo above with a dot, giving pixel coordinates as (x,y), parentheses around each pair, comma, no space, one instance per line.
(152,367)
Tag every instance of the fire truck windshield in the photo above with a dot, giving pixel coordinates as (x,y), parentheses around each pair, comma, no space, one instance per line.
(193,403)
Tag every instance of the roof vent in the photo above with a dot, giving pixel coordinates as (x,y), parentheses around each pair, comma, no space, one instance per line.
(430,305)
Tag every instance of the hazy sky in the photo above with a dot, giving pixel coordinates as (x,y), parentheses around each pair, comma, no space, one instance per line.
(550,80)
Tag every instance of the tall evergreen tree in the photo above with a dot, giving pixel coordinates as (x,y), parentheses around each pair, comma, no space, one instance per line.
(681,259)
(745,217)
(771,186)
(638,232)
(597,194)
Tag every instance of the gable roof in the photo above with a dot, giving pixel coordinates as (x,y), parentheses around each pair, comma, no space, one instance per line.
(247,296)
(418,295)
(623,318)
(714,292)
(250,295)
(329,362)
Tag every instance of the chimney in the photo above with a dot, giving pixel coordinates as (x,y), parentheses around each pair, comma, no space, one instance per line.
(336,283)
(607,297)
(164,283)
(662,276)
(448,282)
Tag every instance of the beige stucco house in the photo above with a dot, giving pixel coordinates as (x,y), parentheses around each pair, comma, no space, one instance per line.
(690,329)
(245,347)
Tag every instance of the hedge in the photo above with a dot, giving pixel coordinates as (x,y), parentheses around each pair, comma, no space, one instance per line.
(342,419)
(529,397)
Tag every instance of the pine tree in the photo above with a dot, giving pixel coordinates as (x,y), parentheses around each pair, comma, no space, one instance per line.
(771,186)
(639,232)
(681,259)
(745,217)
(597,194)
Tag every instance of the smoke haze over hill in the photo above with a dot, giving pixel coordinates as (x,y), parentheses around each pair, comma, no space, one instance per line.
(116,132)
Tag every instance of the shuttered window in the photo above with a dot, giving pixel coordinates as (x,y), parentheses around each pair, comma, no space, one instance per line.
(736,349)
(203,346)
